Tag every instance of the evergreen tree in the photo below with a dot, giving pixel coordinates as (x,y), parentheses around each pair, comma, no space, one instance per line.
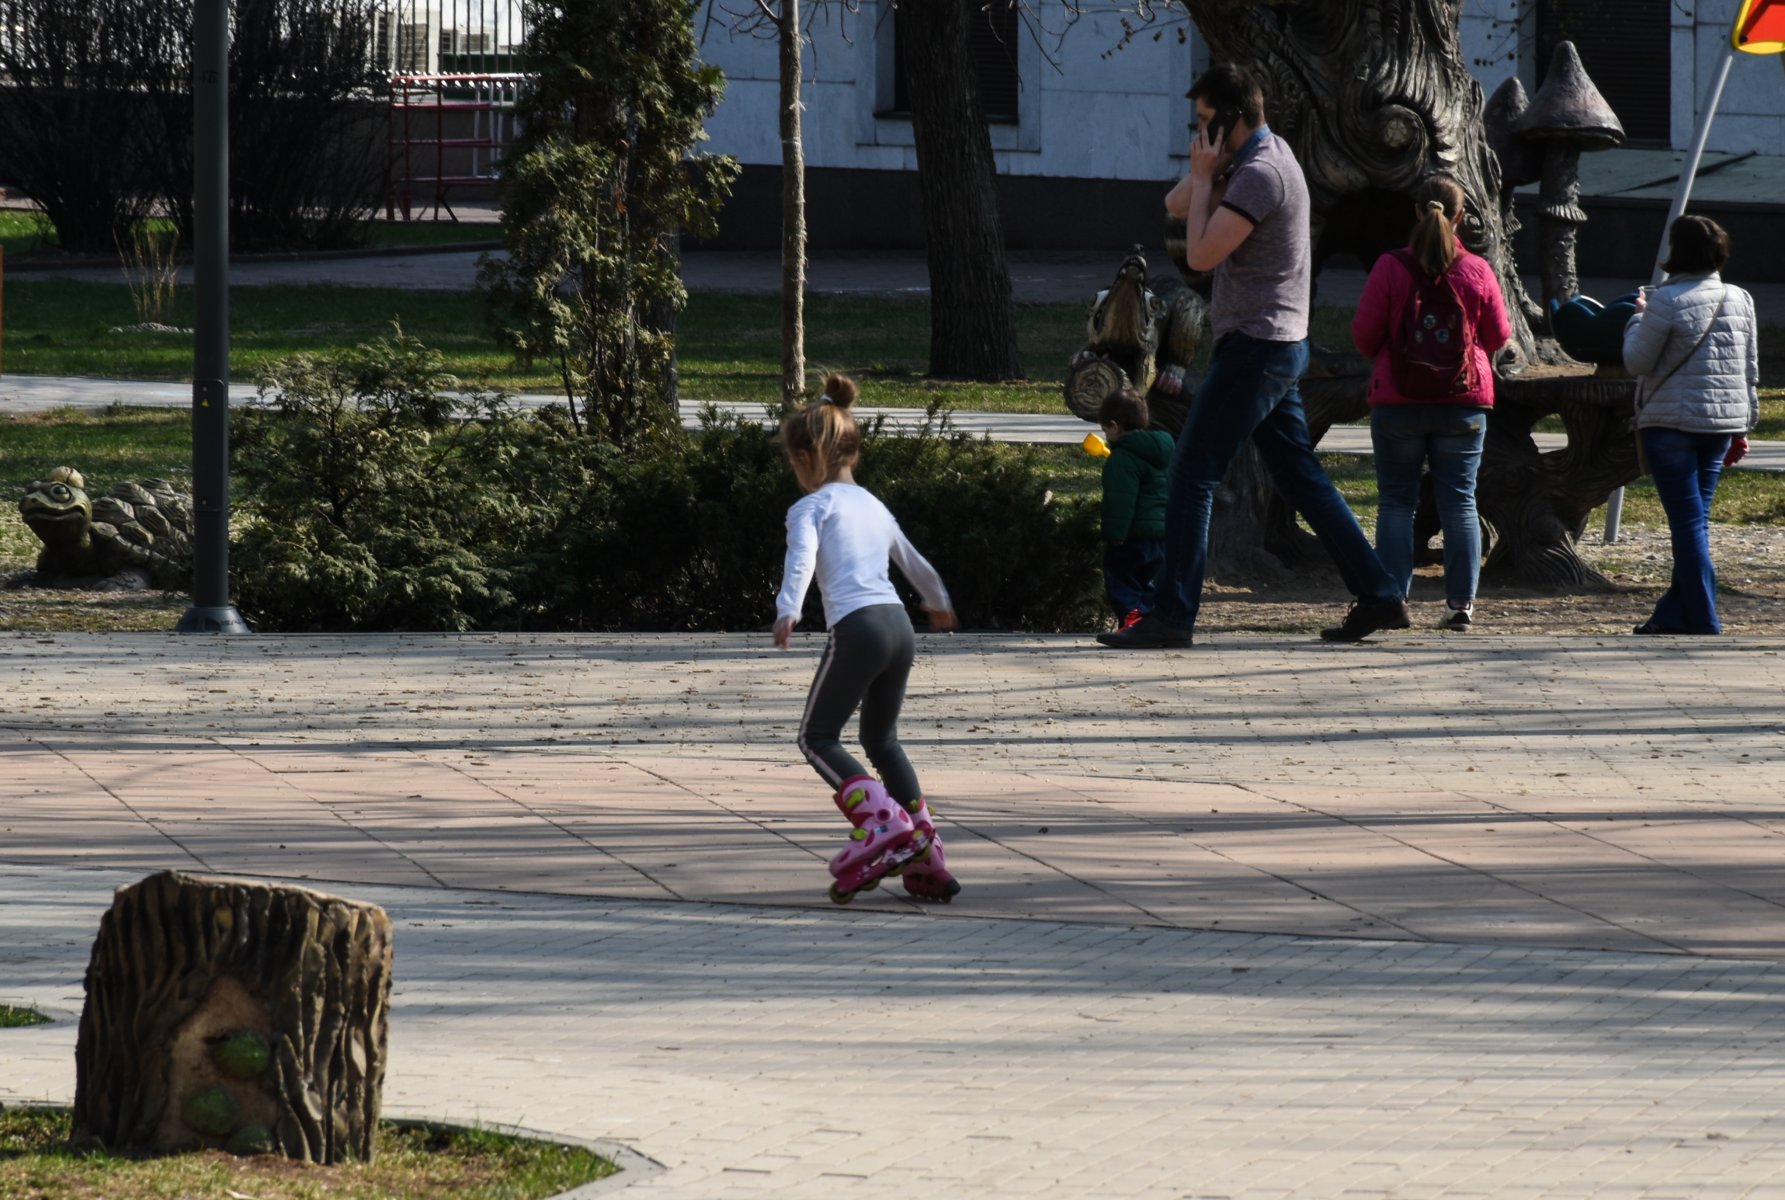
(600,183)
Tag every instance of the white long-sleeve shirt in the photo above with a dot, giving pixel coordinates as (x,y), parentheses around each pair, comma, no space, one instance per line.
(845,536)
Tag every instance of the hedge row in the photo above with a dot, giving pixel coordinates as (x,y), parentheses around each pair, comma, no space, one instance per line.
(378,498)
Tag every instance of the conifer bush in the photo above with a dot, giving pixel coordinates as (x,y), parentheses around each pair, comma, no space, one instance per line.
(375,495)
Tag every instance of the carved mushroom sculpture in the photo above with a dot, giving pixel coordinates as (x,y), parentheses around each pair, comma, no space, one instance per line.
(1566,117)
(1519,164)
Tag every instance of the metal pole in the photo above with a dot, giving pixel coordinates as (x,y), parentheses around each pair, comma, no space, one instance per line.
(211,611)
(1614,505)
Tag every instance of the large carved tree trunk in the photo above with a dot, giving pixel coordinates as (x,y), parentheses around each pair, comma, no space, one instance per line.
(972,318)
(1374,96)
(1537,504)
(234,1015)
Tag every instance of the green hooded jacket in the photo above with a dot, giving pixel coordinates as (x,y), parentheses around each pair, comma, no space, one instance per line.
(1134,486)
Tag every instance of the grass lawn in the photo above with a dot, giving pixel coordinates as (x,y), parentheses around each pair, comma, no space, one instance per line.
(729,344)
(124,443)
(106,446)
(1743,497)
(411,1164)
(131,443)
(12,1016)
(22,231)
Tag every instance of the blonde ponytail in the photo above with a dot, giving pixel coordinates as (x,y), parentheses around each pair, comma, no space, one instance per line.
(822,439)
(1438,207)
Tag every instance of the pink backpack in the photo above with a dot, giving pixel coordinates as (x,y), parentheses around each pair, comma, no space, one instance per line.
(1431,354)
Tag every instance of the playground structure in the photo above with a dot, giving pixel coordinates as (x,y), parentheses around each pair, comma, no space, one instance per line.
(454,78)
(446,131)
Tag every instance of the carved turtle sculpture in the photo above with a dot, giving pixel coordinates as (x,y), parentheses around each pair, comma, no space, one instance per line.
(1134,335)
(137,535)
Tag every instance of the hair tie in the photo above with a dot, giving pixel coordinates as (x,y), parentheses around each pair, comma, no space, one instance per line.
(1437,206)
(827,398)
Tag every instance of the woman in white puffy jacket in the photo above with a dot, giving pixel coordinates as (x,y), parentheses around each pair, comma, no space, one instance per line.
(1694,350)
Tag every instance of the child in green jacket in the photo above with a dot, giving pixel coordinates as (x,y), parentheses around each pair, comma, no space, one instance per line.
(1134,487)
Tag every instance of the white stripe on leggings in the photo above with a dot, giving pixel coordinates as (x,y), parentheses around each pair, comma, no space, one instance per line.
(824,666)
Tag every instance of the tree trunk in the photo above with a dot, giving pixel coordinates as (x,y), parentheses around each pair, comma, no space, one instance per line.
(1537,504)
(1534,503)
(234,1015)
(1374,96)
(661,314)
(972,319)
(793,210)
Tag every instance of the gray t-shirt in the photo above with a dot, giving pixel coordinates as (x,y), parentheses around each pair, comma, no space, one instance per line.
(1261,289)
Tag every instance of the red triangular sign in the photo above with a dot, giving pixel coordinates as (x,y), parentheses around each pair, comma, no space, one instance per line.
(1760,27)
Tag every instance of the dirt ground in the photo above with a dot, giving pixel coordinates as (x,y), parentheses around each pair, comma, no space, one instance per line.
(1750,570)
(1750,574)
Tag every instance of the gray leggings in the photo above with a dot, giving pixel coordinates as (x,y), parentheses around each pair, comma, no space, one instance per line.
(866,663)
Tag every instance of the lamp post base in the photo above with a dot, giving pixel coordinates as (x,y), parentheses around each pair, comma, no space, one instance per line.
(199,619)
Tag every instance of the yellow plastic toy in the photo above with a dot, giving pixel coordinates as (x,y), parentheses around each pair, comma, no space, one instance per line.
(1095,446)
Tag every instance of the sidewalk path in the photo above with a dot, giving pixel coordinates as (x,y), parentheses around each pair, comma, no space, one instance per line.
(41,393)
(1430,916)
(1036,276)
(1580,792)
(762,1052)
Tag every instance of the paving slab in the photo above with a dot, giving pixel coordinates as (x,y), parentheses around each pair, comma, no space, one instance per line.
(1427,916)
(792,1053)
(1576,792)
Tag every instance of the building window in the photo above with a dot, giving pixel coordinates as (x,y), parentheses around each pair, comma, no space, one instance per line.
(992,42)
(1627,48)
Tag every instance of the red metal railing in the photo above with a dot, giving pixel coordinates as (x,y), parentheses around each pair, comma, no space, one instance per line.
(446,131)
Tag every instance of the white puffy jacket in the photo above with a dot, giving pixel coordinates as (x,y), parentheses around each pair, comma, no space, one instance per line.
(1713,389)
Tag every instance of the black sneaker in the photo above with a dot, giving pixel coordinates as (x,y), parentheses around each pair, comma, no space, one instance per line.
(1367,617)
(1149,633)
(1459,618)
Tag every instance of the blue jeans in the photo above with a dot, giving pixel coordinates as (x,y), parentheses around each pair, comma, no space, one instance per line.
(1129,569)
(1685,467)
(1250,392)
(1405,436)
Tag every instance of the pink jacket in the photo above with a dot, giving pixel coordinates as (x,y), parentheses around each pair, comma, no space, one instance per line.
(1385,297)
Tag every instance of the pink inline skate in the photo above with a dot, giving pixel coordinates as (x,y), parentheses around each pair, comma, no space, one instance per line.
(882,843)
(928,878)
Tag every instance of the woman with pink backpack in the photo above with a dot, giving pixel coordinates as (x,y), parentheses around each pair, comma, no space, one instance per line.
(1432,317)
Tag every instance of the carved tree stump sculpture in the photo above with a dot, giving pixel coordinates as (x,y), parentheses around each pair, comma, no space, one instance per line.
(237,1015)
(1146,333)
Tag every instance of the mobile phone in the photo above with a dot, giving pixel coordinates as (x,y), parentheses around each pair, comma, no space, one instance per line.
(1218,126)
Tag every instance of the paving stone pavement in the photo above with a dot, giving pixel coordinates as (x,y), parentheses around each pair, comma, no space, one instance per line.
(1429,916)
(757,1051)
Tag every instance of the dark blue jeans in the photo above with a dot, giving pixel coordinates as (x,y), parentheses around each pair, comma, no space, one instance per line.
(1449,436)
(1685,467)
(1129,569)
(1250,392)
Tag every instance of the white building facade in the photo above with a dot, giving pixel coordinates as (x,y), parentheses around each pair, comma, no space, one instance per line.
(1099,109)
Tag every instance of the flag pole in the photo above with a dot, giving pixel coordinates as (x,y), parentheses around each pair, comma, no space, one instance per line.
(1614,504)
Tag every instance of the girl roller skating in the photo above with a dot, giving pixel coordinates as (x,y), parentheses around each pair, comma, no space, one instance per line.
(840,534)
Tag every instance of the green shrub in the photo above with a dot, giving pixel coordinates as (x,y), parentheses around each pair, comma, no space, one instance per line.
(1014,556)
(375,496)
(376,500)
(690,533)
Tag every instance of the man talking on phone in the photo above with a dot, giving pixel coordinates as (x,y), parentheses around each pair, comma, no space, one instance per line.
(1245,211)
